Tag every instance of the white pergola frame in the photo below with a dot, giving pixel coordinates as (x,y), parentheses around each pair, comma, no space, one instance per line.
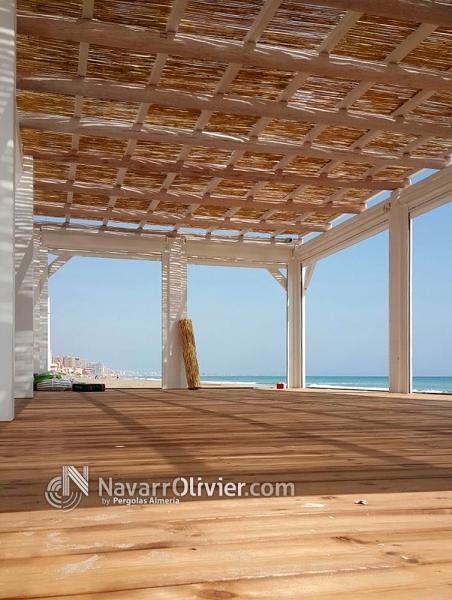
(394,214)
(25,303)
(175,253)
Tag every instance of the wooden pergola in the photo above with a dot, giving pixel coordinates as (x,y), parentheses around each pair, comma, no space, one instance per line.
(217,133)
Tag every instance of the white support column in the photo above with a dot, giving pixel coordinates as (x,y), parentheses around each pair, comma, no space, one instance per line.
(7,187)
(400,340)
(36,310)
(174,307)
(49,350)
(24,283)
(44,341)
(41,308)
(296,371)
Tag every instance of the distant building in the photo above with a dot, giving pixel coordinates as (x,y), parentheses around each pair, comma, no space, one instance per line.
(79,366)
(98,369)
(68,362)
(80,363)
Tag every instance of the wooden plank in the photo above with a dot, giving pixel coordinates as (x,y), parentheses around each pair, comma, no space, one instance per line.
(393,451)
(144,40)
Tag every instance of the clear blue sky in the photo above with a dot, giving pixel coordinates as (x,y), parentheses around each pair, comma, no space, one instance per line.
(109,311)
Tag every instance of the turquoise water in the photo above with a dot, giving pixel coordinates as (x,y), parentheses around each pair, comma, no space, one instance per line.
(420,384)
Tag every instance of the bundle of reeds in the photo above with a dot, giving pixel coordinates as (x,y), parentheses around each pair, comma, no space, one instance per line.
(189,352)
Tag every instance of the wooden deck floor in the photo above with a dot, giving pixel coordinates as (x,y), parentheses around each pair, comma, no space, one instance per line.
(392,452)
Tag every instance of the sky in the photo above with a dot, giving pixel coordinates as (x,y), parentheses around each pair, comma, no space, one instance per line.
(110,311)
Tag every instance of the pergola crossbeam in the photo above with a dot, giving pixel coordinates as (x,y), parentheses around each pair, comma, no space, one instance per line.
(118,130)
(190,169)
(56,264)
(123,214)
(144,40)
(399,53)
(430,193)
(230,104)
(278,276)
(102,190)
(71,241)
(406,10)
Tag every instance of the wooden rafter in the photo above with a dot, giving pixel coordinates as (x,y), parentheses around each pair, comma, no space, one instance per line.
(172,25)
(96,189)
(347,22)
(190,169)
(231,104)
(83,51)
(85,212)
(400,52)
(120,130)
(420,11)
(143,40)
(252,37)
(360,92)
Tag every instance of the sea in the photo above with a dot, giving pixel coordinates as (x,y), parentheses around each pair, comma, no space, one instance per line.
(420,384)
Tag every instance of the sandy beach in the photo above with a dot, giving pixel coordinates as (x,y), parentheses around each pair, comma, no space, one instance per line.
(113,383)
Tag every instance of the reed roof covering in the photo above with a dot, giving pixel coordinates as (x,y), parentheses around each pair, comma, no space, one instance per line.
(246,118)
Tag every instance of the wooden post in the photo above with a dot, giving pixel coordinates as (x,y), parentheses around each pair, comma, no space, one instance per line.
(8,159)
(41,308)
(400,339)
(295,326)
(174,308)
(24,282)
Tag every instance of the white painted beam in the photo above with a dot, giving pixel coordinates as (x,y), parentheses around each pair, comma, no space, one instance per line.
(244,264)
(133,193)
(193,169)
(229,104)
(369,223)
(174,308)
(278,276)
(308,276)
(296,371)
(428,11)
(428,194)
(7,188)
(114,255)
(58,240)
(24,282)
(168,135)
(197,222)
(238,250)
(400,292)
(56,264)
(143,40)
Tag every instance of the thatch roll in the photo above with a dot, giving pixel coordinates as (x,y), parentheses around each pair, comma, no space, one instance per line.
(189,352)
